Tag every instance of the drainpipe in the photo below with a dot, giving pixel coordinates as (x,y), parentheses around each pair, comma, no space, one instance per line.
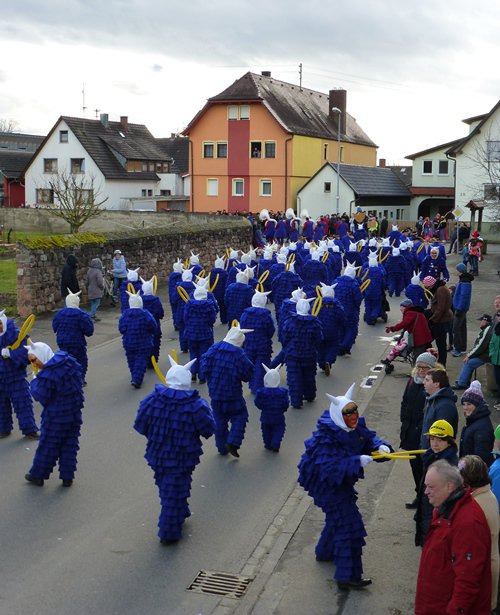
(192,174)
(286,171)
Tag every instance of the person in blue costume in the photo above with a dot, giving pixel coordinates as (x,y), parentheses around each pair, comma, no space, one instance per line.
(334,460)
(407,262)
(133,279)
(200,315)
(333,321)
(58,386)
(419,252)
(334,262)
(415,292)
(395,267)
(269,225)
(267,260)
(152,303)
(294,229)
(280,233)
(186,284)
(259,342)
(194,264)
(275,270)
(350,296)
(174,279)
(225,366)
(288,306)
(374,292)
(360,231)
(14,387)
(138,329)
(272,400)
(434,265)
(395,236)
(302,336)
(238,297)
(320,230)
(72,326)
(307,226)
(173,419)
(283,285)
(220,288)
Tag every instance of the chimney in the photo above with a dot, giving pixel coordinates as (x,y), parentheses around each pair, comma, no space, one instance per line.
(381,162)
(337,98)
(124,122)
(104,117)
(266,73)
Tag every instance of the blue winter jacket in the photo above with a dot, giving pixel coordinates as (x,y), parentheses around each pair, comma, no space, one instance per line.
(463,293)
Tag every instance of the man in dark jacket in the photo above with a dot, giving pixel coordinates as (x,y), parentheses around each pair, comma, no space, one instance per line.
(69,281)
(461,302)
(440,403)
(455,568)
(440,314)
(478,355)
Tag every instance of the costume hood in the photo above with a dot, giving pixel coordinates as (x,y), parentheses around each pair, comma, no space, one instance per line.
(147,286)
(338,404)
(272,377)
(3,320)
(260,299)
(41,350)
(178,266)
(73,299)
(133,275)
(134,301)
(236,336)
(179,376)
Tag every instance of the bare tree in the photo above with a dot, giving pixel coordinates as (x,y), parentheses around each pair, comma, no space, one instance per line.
(78,198)
(8,125)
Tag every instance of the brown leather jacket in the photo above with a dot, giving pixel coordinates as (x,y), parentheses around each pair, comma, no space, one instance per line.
(441,304)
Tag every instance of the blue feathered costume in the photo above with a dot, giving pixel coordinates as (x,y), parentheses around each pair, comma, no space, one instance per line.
(328,471)
(237,298)
(174,279)
(302,336)
(72,326)
(219,290)
(314,272)
(434,265)
(282,287)
(273,402)
(396,271)
(152,303)
(173,422)
(58,388)
(374,293)
(138,329)
(349,294)
(14,388)
(200,315)
(224,366)
(333,321)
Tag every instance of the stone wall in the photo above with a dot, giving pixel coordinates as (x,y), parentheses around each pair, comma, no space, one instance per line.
(39,270)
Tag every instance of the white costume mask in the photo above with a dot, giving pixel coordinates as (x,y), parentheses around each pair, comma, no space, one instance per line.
(395,251)
(147,287)
(73,299)
(297,294)
(219,263)
(179,376)
(260,299)
(236,336)
(41,351)
(350,271)
(328,291)
(272,377)
(134,301)
(187,275)
(337,405)
(178,267)
(133,274)
(241,277)
(194,259)
(304,306)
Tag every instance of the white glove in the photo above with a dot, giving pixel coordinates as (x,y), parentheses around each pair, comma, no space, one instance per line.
(365,460)
(5,353)
(384,449)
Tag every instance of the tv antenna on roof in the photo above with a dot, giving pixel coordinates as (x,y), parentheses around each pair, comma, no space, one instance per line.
(84,108)
(96,113)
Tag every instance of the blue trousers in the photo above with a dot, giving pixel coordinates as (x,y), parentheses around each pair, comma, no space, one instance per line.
(467,370)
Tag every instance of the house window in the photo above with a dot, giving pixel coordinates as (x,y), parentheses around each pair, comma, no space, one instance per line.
(150,193)
(256,149)
(165,192)
(208,150)
(244,112)
(212,187)
(238,187)
(265,187)
(50,165)
(493,151)
(341,153)
(327,187)
(325,151)
(492,193)
(63,136)
(44,196)
(143,192)
(232,112)
(221,150)
(162,167)
(270,149)
(427,167)
(443,167)
(77,165)
(84,195)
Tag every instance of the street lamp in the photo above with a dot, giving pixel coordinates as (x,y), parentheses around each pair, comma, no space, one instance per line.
(337,110)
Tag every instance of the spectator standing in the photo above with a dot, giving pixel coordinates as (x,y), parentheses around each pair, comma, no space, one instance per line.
(478,355)
(494,470)
(440,402)
(459,527)
(461,302)
(474,252)
(494,349)
(95,287)
(119,272)
(69,281)
(440,314)
(477,434)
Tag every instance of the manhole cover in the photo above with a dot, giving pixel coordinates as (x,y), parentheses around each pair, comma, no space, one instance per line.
(220,584)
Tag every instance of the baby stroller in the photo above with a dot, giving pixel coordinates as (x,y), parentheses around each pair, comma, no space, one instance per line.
(401,350)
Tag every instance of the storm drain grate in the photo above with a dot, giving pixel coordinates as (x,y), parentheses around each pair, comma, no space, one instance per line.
(220,584)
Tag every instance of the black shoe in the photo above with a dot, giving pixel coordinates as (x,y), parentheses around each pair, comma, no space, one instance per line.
(327,369)
(354,584)
(32,436)
(459,387)
(232,450)
(4,434)
(411,505)
(384,318)
(67,483)
(96,319)
(135,385)
(193,377)
(169,542)
(34,481)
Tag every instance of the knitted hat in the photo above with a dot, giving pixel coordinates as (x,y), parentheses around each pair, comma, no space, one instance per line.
(461,268)
(429,281)
(427,358)
(474,394)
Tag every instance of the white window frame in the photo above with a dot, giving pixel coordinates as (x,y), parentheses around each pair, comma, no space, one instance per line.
(232,112)
(266,143)
(219,143)
(244,112)
(203,151)
(214,182)
(265,182)
(234,184)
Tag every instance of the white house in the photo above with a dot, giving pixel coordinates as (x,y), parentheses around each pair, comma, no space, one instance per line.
(125,162)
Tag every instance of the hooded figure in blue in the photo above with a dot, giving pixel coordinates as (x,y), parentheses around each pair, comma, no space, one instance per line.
(258,344)
(307,226)
(220,287)
(280,233)
(72,326)
(314,272)
(302,336)
(174,279)
(273,401)
(284,284)
(238,297)
(194,264)
(360,231)
(374,292)
(396,271)
(138,329)
(133,279)
(225,365)
(352,256)
(350,296)
(14,387)
(395,236)
(187,284)
(173,418)
(200,315)
(415,292)
(334,261)
(269,225)
(333,321)
(434,265)
(58,386)
(152,303)
(331,465)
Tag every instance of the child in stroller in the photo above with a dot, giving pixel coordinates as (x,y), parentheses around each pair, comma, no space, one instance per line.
(400,349)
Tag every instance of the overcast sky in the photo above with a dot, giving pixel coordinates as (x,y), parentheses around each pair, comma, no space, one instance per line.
(412,70)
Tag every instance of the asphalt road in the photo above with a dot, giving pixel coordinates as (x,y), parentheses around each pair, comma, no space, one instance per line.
(93,548)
